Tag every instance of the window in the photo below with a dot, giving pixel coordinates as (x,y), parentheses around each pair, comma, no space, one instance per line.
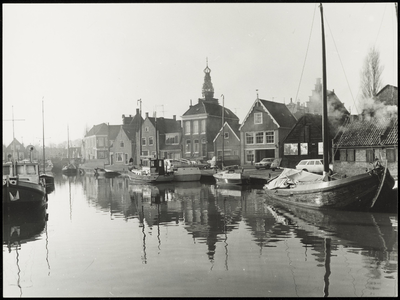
(258,118)
(187,127)
(290,149)
(187,146)
(203,126)
(145,153)
(226,135)
(122,144)
(370,155)
(310,163)
(195,127)
(143,141)
(259,137)
(321,149)
(119,157)
(101,154)
(342,154)
(146,129)
(351,155)
(390,155)
(250,156)
(171,139)
(100,142)
(126,158)
(249,138)
(151,143)
(303,149)
(153,153)
(269,137)
(196,146)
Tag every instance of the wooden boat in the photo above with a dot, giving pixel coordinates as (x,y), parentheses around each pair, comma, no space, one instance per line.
(153,173)
(183,170)
(111,173)
(69,169)
(231,176)
(358,192)
(22,185)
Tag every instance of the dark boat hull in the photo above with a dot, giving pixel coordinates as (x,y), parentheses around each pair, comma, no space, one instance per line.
(352,193)
(18,193)
(49,180)
(70,172)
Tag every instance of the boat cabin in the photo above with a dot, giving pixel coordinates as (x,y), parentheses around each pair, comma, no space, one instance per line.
(27,171)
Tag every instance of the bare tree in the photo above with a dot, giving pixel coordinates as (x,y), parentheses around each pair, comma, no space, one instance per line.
(371,74)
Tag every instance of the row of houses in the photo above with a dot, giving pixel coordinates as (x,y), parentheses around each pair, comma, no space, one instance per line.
(270,129)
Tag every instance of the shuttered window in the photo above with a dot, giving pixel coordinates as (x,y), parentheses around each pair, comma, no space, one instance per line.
(350,155)
(370,155)
(391,155)
(343,155)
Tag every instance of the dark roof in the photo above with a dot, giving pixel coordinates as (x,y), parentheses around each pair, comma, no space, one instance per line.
(210,108)
(101,129)
(166,125)
(280,113)
(369,132)
(113,131)
(130,131)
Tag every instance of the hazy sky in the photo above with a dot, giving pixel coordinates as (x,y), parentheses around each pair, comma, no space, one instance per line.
(92,62)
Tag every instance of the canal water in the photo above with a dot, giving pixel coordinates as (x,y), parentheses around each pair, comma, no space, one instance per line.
(107,237)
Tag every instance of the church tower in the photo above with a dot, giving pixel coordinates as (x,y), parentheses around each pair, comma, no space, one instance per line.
(208,89)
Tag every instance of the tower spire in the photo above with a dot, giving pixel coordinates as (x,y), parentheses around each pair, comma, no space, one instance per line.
(208,89)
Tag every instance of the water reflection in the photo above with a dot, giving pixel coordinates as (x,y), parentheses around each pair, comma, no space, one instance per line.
(233,241)
(20,227)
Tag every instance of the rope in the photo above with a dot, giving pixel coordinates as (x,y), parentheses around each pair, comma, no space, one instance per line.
(347,81)
(308,45)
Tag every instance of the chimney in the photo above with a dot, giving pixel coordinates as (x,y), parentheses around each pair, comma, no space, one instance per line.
(137,111)
(190,102)
(147,114)
(174,117)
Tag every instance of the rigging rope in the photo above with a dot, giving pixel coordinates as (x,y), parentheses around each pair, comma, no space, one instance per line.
(308,45)
(342,65)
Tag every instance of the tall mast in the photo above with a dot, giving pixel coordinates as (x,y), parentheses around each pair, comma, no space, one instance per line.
(223,142)
(44,156)
(140,131)
(68,142)
(325,128)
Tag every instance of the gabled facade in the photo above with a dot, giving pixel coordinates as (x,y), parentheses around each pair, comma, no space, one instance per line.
(364,139)
(202,122)
(314,105)
(97,142)
(15,150)
(304,141)
(227,141)
(388,95)
(266,125)
(123,146)
(126,143)
(161,137)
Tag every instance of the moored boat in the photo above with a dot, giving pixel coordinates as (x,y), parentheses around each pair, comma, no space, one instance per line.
(359,192)
(22,186)
(231,176)
(183,170)
(152,173)
(69,169)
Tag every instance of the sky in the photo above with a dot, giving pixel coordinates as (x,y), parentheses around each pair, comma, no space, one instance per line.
(88,64)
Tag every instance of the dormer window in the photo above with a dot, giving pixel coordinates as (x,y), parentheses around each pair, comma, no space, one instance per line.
(258,118)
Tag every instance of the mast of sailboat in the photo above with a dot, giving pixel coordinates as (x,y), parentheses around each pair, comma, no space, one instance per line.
(140,131)
(68,142)
(223,110)
(44,156)
(325,129)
